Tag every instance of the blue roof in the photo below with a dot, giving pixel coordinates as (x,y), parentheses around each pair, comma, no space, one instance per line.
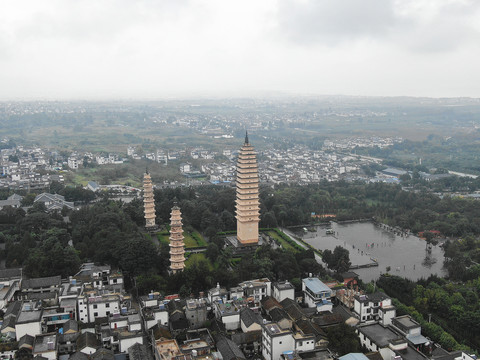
(315,285)
(353,356)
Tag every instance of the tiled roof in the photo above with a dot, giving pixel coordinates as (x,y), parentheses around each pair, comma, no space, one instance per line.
(44,282)
(229,349)
(248,317)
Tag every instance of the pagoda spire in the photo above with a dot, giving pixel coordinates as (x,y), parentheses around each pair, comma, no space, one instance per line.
(246,137)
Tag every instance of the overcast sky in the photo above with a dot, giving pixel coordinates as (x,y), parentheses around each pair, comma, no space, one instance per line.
(75,49)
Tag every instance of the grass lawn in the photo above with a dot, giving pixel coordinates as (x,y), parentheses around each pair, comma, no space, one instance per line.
(284,243)
(192,240)
(195,258)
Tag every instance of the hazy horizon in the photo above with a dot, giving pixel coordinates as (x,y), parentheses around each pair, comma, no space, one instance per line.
(187,49)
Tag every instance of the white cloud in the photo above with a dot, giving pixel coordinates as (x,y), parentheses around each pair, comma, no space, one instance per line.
(89,49)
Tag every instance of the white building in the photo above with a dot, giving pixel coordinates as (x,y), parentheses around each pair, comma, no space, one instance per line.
(374,307)
(29,321)
(72,163)
(256,289)
(102,306)
(228,313)
(317,294)
(275,341)
(283,290)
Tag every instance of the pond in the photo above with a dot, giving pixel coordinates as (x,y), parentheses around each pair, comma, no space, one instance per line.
(405,255)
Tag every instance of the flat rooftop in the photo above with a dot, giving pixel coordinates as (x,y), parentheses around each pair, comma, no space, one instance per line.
(315,285)
(406,322)
(44,343)
(380,335)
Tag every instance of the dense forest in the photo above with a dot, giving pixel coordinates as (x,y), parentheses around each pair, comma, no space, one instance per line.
(453,306)
(102,231)
(111,232)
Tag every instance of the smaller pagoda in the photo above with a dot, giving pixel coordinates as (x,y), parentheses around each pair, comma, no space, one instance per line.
(148,202)
(177,246)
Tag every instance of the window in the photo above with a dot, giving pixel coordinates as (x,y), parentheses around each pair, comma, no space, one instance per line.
(95,314)
(107,305)
(81,310)
(279,342)
(108,313)
(114,281)
(95,306)
(300,343)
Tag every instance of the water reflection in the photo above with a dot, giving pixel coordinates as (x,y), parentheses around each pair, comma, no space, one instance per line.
(405,256)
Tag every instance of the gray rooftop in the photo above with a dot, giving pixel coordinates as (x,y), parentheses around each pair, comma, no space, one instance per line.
(381,336)
(315,285)
(283,285)
(28,316)
(45,343)
(44,282)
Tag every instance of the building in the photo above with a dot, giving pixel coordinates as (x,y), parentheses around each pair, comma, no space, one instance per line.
(29,321)
(229,350)
(255,290)
(317,294)
(53,201)
(229,313)
(374,307)
(46,345)
(283,290)
(276,341)
(177,246)
(148,202)
(72,163)
(196,312)
(247,204)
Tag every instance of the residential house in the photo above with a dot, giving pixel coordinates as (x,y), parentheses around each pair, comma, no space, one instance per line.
(385,340)
(13,200)
(196,312)
(281,317)
(53,201)
(276,341)
(269,303)
(374,307)
(178,322)
(93,186)
(72,163)
(46,345)
(250,321)
(229,313)
(256,290)
(229,350)
(317,294)
(100,306)
(29,320)
(283,290)
(88,343)
(412,331)
(168,349)
(153,310)
(9,283)
(139,352)
(217,293)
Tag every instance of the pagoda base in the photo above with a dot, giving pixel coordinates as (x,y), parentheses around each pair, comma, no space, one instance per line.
(239,248)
